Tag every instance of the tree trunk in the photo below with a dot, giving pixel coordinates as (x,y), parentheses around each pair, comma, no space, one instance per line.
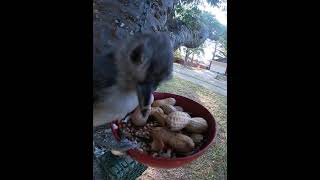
(213,54)
(186,57)
(210,64)
(215,50)
(117,20)
(192,58)
(181,35)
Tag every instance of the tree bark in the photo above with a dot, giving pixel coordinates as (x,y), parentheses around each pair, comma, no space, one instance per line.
(210,64)
(186,57)
(181,35)
(192,58)
(215,50)
(115,20)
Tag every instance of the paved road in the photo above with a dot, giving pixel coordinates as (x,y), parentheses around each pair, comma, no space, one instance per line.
(204,78)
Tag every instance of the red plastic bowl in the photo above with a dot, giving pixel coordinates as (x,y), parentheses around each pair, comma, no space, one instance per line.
(189,106)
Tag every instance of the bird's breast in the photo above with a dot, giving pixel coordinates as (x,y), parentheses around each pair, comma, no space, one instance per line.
(114,106)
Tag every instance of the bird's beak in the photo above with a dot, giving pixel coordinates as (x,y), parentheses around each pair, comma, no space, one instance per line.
(144,96)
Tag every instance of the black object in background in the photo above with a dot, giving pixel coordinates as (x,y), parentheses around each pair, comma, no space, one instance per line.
(271,80)
(47,83)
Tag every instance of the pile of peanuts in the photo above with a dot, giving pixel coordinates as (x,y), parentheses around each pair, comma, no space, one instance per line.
(166,131)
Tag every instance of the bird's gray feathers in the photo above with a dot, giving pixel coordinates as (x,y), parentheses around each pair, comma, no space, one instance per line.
(143,59)
(104,74)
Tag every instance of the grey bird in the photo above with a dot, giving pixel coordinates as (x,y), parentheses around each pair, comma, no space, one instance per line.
(126,76)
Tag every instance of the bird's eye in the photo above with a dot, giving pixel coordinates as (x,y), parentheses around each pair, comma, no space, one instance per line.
(136,55)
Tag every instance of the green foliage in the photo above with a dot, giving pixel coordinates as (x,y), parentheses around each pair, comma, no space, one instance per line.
(223,45)
(222,53)
(193,17)
(211,2)
(212,23)
(189,14)
(198,51)
(178,54)
(215,2)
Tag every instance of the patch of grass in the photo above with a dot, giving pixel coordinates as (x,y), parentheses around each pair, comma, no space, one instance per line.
(213,164)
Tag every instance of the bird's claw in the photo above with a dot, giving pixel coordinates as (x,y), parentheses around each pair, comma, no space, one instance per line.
(126,119)
(114,126)
(123,146)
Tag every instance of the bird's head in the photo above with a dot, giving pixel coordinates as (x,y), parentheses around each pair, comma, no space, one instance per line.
(145,61)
